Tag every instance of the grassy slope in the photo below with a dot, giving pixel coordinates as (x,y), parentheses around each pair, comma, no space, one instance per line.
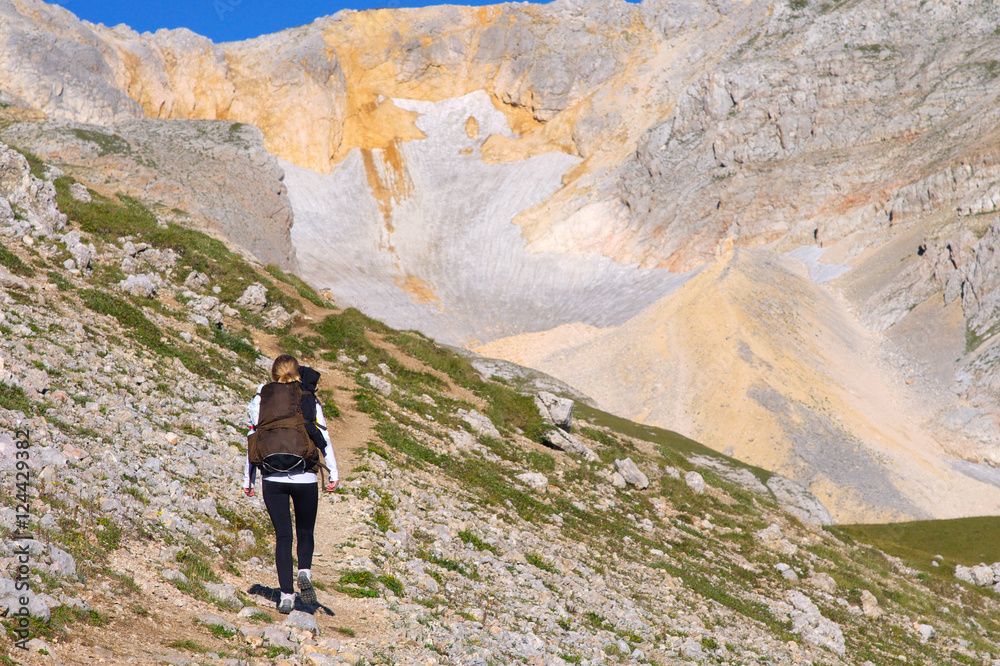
(422,368)
(966,541)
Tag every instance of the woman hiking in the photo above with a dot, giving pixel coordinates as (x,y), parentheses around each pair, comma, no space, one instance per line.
(286,454)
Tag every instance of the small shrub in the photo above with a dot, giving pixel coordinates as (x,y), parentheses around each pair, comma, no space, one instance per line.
(383,519)
(330,408)
(359,584)
(392,584)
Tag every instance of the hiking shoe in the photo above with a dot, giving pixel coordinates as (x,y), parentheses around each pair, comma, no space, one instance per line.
(306,591)
(287,603)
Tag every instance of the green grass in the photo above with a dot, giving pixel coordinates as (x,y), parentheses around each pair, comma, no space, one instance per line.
(345,631)
(111,536)
(510,410)
(196,567)
(435,356)
(973,339)
(35,163)
(236,343)
(14,398)
(59,281)
(536,560)
(487,484)
(966,541)
(200,361)
(330,408)
(220,632)
(303,289)
(187,645)
(61,619)
(13,263)
(477,543)
(392,584)
(359,584)
(106,143)
(110,219)
(346,331)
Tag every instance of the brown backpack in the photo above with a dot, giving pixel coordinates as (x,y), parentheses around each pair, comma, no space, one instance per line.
(280,443)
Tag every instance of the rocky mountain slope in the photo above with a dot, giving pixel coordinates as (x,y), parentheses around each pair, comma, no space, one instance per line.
(130,347)
(481,174)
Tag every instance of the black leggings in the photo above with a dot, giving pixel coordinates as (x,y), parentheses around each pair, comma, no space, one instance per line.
(305,497)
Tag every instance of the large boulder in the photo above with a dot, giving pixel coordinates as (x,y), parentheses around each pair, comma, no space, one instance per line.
(28,197)
(568,443)
(555,410)
(254,298)
(631,473)
(812,626)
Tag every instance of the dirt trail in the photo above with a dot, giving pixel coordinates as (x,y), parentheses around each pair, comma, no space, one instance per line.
(340,529)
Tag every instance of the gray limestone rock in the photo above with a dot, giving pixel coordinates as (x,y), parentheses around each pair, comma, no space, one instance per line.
(28,196)
(980,575)
(631,473)
(812,626)
(196,280)
(556,410)
(82,254)
(80,192)
(798,501)
(142,286)
(568,443)
(379,384)
(225,593)
(213,620)
(304,621)
(217,172)
(695,482)
(869,605)
(480,423)
(254,298)
(277,317)
(63,563)
(534,480)
(926,632)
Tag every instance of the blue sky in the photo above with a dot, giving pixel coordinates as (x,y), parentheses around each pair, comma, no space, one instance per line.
(225,20)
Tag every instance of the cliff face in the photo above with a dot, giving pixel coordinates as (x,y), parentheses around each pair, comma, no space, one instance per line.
(482,173)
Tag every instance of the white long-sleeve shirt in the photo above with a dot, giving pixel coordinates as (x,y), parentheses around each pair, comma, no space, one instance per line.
(253,413)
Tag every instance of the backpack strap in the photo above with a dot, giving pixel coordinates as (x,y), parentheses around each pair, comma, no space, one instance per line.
(290,422)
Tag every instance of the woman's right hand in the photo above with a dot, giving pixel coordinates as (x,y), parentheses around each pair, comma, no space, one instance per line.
(248,492)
